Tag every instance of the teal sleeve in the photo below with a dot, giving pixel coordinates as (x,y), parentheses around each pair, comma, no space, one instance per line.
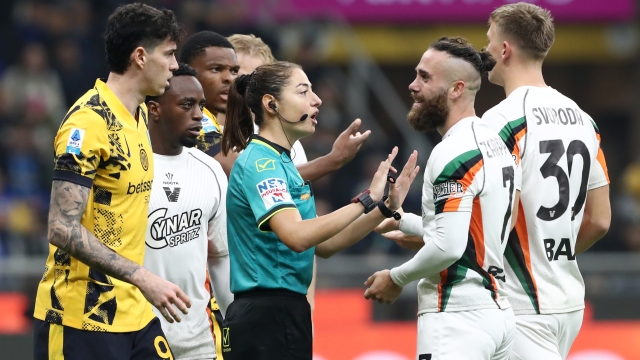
(265,185)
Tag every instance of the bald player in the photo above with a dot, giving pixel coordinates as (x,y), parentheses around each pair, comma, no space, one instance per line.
(467,202)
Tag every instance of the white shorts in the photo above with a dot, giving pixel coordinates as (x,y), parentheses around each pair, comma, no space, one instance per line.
(546,337)
(466,335)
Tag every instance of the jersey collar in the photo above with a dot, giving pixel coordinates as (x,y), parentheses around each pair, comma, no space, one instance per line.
(458,125)
(116,106)
(257,139)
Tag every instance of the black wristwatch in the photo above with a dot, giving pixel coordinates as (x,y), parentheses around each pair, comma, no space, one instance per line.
(386,211)
(365,199)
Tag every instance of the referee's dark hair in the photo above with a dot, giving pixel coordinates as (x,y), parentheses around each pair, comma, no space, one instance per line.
(460,48)
(136,25)
(245,97)
(196,44)
(183,70)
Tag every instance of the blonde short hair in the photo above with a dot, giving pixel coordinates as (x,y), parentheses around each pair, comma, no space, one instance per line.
(252,46)
(529,26)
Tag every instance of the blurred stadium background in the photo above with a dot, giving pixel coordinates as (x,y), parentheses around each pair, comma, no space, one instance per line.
(360,56)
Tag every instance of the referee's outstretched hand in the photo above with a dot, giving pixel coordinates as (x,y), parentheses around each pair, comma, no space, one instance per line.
(348,143)
(162,294)
(379,181)
(399,189)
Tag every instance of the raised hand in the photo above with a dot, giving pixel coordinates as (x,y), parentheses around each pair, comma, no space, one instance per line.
(398,190)
(348,143)
(380,178)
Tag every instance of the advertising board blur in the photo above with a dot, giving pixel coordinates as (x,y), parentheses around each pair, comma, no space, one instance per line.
(437,11)
(343,330)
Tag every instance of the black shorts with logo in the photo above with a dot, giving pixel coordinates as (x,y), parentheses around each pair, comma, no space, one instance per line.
(60,342)
(266,325)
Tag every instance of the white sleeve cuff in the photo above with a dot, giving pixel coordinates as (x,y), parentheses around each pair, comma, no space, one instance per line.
(411,224)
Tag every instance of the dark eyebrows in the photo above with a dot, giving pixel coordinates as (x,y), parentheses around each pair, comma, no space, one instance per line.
(308,86)
(187,99)
(423,73)
(224,66)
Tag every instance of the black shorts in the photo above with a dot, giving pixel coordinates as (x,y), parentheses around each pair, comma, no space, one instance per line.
(53,341)
(268,325)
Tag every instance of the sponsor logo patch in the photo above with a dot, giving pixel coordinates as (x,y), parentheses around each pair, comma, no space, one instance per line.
(74,142)
(207,125)
(273,192)
(449,189)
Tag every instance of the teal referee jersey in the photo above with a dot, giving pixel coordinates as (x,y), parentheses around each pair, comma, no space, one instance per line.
(263,182)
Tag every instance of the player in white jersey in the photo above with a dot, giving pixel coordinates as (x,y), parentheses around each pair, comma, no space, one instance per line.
(564,205)
(187,214)
(467,202)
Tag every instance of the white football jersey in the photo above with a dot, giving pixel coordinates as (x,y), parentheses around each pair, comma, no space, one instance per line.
(557,147)
(297,151)
(186,211)
(470,170)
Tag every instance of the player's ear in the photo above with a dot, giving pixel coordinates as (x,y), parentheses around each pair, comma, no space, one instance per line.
(456,89)
(154,110)
(506,51)
(138,57)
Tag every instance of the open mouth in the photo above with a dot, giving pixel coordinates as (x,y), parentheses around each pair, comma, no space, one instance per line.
(195,130)
(224,94)
(314,117)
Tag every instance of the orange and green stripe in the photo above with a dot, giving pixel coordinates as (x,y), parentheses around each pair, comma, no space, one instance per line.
(600,157)
(518,256)
(512,133)
(463,170)
(472,259)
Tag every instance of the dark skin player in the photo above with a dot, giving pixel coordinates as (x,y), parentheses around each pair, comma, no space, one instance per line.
(176,116)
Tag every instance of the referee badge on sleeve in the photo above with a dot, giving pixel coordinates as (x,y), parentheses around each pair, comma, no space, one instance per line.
(273,192)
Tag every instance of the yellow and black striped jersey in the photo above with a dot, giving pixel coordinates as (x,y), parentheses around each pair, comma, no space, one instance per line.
(210,134)
(100,145)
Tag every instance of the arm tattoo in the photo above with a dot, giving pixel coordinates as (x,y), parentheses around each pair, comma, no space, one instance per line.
(68,202)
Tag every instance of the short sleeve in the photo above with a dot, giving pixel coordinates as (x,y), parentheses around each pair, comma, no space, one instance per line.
(81,144)
(217,232)
(599,175)
(265,186)
(512,132)
(456,180)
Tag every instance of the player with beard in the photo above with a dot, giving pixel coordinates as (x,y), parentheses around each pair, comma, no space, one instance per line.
(565,201)
(187,214)
(467,202)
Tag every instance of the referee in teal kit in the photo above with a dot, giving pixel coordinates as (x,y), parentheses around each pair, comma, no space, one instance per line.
(272,227)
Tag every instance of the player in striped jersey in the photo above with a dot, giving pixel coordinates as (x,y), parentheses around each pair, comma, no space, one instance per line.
(564,205)
(467,201)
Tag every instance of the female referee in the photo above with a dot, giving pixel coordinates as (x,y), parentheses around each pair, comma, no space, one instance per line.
(273,230)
